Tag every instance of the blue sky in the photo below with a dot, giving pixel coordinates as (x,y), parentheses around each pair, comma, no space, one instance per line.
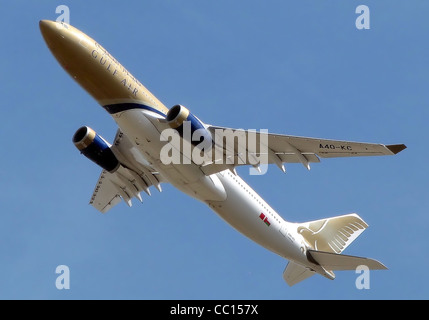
(295,67)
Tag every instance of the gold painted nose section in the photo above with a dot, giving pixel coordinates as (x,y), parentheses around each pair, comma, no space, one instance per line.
(49,29)
(46,25)
(58,35)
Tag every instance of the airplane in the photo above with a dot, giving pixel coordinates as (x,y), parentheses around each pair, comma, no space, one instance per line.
(133,163)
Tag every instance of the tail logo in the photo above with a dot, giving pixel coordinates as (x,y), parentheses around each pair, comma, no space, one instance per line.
(332,234)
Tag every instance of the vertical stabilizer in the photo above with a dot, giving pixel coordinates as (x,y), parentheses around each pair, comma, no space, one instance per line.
(332,234)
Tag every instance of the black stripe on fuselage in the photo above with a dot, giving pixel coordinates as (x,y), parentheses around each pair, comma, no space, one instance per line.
(121,107)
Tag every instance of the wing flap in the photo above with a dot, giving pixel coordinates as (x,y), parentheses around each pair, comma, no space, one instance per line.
(105,195)
(292,158)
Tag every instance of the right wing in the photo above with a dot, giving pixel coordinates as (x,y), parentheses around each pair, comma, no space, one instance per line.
(133,176)
(279,149)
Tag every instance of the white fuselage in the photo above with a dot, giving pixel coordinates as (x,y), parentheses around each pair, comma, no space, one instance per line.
(225,192)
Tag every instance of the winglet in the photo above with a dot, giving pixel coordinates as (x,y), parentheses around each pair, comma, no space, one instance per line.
(396,148)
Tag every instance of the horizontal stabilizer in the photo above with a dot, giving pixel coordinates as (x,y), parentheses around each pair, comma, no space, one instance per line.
(295,273)
(334,261)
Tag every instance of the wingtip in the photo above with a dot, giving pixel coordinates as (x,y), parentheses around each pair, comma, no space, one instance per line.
(396,148)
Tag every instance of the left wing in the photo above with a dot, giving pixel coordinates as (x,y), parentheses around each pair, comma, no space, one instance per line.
(279,149)
(133,176)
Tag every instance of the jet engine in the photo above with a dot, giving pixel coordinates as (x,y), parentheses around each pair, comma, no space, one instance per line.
(181,119)
(95,148)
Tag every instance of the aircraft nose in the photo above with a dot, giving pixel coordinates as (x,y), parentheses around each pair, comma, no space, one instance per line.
(48,28)
(54,33)
(57,35)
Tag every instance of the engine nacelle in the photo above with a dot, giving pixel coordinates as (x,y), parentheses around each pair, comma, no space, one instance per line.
(95,148)
(186,124)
